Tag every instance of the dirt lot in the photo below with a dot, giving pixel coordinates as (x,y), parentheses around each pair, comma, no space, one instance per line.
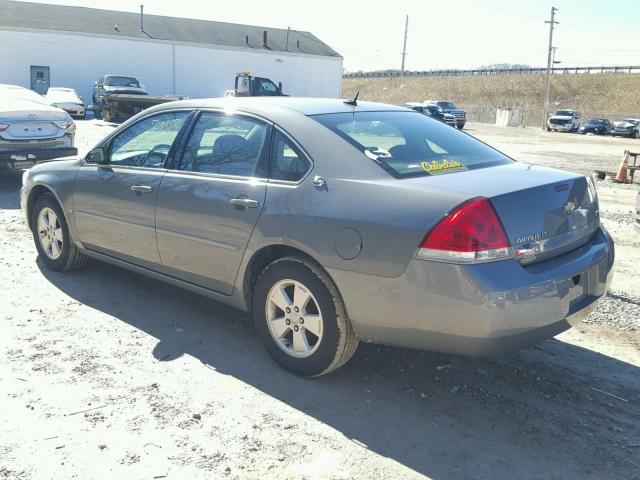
(107,374)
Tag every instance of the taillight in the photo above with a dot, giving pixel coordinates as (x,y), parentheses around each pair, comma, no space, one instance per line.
(471,233)
(3,127)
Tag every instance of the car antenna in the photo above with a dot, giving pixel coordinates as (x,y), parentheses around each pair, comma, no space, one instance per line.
(353,101)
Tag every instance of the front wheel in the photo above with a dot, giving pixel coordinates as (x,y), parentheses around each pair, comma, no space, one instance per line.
(301,318)
(636,134)
(51,236)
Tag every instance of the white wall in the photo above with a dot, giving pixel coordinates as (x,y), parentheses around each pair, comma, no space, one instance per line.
(77,61)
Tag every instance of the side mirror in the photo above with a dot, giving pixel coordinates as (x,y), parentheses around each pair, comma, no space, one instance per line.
(280,88)
(97,156)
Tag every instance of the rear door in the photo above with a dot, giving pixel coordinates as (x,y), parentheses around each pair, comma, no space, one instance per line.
(114,204)
(208,206)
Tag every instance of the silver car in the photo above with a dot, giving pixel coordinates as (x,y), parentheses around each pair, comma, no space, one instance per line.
(32,130)
(331,223)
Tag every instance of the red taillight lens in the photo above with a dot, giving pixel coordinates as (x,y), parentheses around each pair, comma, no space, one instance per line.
(3,127)
(473,232)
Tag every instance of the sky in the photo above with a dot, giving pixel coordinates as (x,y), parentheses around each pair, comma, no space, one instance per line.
(442,34)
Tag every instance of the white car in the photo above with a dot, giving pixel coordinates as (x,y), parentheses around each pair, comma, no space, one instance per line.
(564,121)
(67,99)
(31,129)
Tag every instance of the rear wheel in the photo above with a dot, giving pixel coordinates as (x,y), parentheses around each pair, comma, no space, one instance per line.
(51,236)
(301,318)
(636,134)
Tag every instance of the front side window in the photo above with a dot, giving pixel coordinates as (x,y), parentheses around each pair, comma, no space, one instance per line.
(266,87)
(226,145)
(147,142)
(287,163)
(407,144)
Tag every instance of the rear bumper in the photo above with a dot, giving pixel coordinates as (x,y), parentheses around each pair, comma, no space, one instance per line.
(481,309)
(27,158)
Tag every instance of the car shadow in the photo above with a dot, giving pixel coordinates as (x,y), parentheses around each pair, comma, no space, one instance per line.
(440,415)
(10,183)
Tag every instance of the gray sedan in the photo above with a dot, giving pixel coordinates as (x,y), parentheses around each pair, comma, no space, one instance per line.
(331,223)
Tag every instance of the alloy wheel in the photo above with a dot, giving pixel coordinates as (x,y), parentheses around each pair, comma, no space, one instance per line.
(50,233)
(294,318)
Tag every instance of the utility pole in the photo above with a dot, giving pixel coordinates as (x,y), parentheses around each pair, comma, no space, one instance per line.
(550,55)
(404,46)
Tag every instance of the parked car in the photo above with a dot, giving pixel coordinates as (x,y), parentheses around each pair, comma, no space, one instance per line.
(433,111)
(448,107)
(32,130)
(115,84)
(629,127)
(68,100)
(332,222)
(564,121)
(597,126)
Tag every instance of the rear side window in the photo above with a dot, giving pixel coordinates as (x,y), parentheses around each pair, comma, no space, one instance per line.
(287,163)
(407,144)
(226,145)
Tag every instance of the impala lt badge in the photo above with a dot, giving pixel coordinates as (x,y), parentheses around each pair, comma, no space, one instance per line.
(531,238)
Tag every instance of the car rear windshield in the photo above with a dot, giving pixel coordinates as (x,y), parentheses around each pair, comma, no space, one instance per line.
(122,82)
(408,144)
(595,121)
(564,113)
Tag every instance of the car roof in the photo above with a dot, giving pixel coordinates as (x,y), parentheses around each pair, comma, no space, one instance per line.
(304,105)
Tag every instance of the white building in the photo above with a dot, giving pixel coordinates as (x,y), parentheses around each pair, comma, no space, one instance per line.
(50,45)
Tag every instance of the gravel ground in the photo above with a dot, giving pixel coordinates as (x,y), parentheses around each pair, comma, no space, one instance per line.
(105,374)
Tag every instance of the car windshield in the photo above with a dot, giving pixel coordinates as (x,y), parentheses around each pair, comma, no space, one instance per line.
(407,144)
(595,121)
(62,95)
(631,120)
(122,82)
(447,105)
(564,113)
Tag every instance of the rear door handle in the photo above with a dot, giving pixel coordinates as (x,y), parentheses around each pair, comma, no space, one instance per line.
(142,188)
(244,202)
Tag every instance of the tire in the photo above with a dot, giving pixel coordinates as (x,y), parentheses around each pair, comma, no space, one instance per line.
(459,127)
(337,341)
(69,257)
(636,135)
(107,117)
(548,129)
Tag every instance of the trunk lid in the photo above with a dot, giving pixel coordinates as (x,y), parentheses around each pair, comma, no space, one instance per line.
(545,212)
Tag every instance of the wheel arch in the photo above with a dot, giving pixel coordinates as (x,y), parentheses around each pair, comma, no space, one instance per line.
(267,255)
(36,192)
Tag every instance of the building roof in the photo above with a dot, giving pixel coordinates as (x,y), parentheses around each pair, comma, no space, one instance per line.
(28,15)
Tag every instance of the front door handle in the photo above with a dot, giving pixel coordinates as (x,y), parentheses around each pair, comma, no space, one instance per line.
(142,188)
(244,202)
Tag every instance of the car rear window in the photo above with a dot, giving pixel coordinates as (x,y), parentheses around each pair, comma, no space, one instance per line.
(408,144)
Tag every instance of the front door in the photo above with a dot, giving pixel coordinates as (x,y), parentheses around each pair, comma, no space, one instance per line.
(114,203)
(207,207)
(40,79)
